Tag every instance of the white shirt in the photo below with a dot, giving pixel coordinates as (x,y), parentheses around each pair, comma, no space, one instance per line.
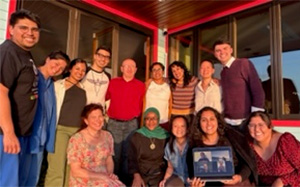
(158,96)
(211,97)
(95,84)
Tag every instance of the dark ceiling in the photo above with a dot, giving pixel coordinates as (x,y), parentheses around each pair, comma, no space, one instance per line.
(171,14)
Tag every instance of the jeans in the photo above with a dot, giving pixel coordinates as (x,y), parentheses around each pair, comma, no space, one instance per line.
(121,132)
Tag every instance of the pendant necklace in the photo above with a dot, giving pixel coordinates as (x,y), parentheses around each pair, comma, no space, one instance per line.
(152,145)
(97,83)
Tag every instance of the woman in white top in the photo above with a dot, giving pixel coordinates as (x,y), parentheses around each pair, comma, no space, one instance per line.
(208,93)
(158,94)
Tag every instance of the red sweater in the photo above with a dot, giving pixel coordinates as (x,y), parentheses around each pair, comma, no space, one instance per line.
(241,89)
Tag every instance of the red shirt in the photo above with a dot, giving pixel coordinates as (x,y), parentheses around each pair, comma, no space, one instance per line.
(126,98)
(283,164)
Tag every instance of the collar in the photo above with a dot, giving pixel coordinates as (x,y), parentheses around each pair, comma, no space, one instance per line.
(229,63)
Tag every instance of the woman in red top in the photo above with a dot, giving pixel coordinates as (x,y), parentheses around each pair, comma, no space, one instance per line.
(277,154)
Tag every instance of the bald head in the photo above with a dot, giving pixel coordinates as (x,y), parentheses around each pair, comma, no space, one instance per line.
(128,69)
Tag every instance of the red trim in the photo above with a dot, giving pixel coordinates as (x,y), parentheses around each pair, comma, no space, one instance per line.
(219,15)
(11,8)
(286,123)
(130,18)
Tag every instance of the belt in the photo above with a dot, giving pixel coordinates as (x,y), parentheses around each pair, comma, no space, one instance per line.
(122,120)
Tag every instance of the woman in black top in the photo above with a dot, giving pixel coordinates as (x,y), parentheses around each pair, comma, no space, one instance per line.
(210,130)
(146,152)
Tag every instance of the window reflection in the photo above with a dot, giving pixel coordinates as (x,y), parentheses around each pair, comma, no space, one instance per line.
(253,42)
(290,27)
(182,49)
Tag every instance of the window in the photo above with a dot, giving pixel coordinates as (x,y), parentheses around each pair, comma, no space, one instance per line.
(290,30)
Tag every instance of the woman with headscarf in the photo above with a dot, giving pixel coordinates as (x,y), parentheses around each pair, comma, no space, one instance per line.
(146,151)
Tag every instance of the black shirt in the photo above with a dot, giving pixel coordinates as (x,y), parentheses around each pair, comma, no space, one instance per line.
(19,74)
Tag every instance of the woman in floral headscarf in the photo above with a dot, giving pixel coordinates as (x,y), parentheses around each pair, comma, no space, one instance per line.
(146,151)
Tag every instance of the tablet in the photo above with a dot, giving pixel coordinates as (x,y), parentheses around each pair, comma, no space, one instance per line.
(213,163)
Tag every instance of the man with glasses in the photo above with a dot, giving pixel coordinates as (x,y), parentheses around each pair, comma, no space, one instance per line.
(18,95)
(97,79)
(126,100)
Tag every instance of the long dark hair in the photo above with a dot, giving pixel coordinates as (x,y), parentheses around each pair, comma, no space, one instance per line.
(172,136)
(73,63)
(196,133)
(86,112)
(187,76)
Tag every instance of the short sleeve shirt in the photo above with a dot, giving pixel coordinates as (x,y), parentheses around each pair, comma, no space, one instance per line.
(19,74)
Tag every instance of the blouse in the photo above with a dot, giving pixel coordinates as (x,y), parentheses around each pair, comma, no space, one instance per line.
(283,164)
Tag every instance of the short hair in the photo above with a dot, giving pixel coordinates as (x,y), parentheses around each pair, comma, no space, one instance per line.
(208,60)
(22,14)
(221,41)
(86,112)
(104,48)
(157,63)
(58,54)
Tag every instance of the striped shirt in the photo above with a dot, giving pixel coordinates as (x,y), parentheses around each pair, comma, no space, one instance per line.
(183,98)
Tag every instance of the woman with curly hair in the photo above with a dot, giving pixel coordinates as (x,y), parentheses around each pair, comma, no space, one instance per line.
(210,130)
(183,90)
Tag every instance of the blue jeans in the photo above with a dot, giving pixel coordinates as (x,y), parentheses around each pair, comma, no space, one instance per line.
(121,132)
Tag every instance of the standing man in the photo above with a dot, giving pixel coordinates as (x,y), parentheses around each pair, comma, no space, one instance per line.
(44,124)
(96,80)
(126,100)
(18,94)
(242,92)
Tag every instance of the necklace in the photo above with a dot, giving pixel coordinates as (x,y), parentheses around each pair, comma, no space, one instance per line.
(67,79)
(97,83)
(152,145)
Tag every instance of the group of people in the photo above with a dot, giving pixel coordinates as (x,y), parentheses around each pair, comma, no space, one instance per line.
(67,119)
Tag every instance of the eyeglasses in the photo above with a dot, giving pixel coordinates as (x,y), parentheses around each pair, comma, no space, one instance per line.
(252,126)
(150,119)
(157,70)
(25,29)
(103,56)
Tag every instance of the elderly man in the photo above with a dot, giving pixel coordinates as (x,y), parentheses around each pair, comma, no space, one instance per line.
(126,100)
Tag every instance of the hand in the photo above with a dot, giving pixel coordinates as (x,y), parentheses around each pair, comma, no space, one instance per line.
(138,181)
(113,176)
(277,183)
(235,179)
(196,182)
(162,183)
(11,143)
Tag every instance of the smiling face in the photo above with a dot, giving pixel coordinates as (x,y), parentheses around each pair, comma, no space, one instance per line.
(209,123)
(179,128)
(25,33)
(223,52)
(128,69)
(259,130)
(95,120)
(206,70)
(101,59)
(157,73)
(151,121)
(55,67)
(177,72)
(78,71)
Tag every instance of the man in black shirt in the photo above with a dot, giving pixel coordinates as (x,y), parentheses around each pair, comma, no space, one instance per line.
(18,94)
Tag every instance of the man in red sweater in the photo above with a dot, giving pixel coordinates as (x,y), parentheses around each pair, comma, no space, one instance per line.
(242,92)
(126,95)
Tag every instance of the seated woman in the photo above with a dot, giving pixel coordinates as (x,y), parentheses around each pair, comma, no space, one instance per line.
(277,155)
(146,152)
(175,153)
(90,152)
(210,130)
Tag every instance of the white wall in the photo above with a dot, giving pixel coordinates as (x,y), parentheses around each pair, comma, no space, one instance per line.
(293,130)
(161,52)
(3,19)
